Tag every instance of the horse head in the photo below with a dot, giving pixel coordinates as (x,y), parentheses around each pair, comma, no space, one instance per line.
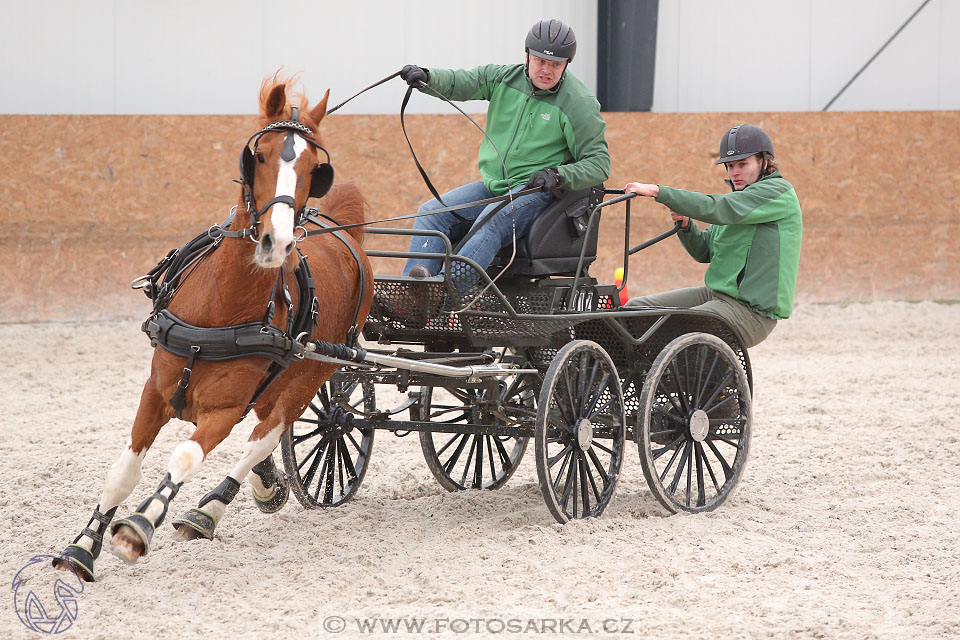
(281,166)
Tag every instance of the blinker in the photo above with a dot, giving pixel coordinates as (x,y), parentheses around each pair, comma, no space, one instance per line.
(321,179)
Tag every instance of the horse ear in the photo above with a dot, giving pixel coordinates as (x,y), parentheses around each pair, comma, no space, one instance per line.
(276,101)
(320,109)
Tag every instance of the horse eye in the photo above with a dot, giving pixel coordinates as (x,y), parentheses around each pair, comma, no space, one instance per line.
(260,158)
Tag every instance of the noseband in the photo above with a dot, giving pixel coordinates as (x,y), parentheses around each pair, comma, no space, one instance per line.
(321,177)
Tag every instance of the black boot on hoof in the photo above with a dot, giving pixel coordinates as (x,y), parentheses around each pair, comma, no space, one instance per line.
(76,558)
(142,530)
(195,523)
(281,491)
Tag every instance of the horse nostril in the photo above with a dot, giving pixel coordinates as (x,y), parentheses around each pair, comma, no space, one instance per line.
(290,246)
(266,243)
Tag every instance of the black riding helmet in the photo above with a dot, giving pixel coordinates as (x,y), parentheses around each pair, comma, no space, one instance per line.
(743,141)
(552,40)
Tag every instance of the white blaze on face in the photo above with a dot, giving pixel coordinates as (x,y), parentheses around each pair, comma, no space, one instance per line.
(283,215)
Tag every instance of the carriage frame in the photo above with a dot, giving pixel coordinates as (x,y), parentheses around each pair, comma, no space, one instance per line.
(490,360)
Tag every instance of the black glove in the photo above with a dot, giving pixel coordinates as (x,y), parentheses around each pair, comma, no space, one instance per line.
(414,75)
(546,179)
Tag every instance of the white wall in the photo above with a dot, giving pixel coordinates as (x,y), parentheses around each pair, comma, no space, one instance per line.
(209,56)
(755,55)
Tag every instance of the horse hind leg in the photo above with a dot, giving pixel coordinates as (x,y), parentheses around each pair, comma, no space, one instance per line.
(201,521)
(269,486)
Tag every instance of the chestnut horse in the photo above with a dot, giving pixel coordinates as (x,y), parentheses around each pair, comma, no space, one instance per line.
(231,286)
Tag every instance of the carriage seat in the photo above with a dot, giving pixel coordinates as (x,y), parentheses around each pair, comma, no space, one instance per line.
(552,245)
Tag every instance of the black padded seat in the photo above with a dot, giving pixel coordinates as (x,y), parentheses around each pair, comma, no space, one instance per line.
(553,244)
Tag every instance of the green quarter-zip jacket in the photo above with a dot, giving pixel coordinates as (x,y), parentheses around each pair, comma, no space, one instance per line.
(532,128)
(752,243)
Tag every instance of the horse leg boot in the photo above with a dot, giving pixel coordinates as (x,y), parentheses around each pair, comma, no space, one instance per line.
(132,535)
(120,482)
(201,521)
(118,485)
(269,487)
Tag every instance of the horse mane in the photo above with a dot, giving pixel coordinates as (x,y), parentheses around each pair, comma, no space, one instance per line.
(295,96)
(345,204)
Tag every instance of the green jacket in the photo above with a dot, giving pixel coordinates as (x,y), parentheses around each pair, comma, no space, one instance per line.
(752,245)
(533,128)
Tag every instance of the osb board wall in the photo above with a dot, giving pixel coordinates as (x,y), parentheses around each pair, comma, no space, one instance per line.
(91,202)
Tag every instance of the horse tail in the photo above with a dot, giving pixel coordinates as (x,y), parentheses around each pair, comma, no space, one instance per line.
(345,204)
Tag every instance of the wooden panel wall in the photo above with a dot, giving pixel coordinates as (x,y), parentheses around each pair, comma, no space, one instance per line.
(88,203)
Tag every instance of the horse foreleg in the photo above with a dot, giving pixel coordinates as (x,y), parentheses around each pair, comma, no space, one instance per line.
(119,483)
(132,535)
(256,465)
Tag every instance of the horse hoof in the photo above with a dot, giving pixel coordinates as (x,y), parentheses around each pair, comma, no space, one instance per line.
(194,524)
(131,537)
(76,559)
(276,500)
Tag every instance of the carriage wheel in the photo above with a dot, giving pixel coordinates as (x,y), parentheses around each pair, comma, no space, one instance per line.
(580,431)
(474,461)
(695,419)
(325,455)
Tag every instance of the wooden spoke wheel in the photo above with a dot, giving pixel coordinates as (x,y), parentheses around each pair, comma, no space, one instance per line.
(324,453)
(471,460)
(694,432)
(580,431)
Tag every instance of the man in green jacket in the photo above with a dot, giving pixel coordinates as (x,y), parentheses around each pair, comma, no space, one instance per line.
(752,243)
(548,133)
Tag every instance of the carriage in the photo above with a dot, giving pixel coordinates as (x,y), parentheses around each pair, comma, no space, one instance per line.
(534,347)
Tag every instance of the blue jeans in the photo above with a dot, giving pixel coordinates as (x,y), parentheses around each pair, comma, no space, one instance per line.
(483,246)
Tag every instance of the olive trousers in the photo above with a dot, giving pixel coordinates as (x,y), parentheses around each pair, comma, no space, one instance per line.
(751,326)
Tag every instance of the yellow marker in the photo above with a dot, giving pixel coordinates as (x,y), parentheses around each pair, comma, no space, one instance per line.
(618,277)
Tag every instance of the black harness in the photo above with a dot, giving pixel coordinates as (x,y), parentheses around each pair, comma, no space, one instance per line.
(249,339)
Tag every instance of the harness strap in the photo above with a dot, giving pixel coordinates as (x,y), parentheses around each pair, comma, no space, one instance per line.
(476,203)
(476,227)
(179,399)
(354,333)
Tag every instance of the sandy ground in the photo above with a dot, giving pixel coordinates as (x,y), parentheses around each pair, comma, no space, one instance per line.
(845,526)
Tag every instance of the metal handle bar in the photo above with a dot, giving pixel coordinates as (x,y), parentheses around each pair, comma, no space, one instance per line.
(653,241)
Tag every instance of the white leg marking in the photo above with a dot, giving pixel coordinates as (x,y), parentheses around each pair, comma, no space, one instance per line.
(255,451)
(185,461)
(122,478)
(215,508)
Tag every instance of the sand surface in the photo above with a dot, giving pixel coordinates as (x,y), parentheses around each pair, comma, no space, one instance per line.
(846,524)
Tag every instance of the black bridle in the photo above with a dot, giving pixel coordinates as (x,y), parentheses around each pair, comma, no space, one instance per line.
(321,177)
